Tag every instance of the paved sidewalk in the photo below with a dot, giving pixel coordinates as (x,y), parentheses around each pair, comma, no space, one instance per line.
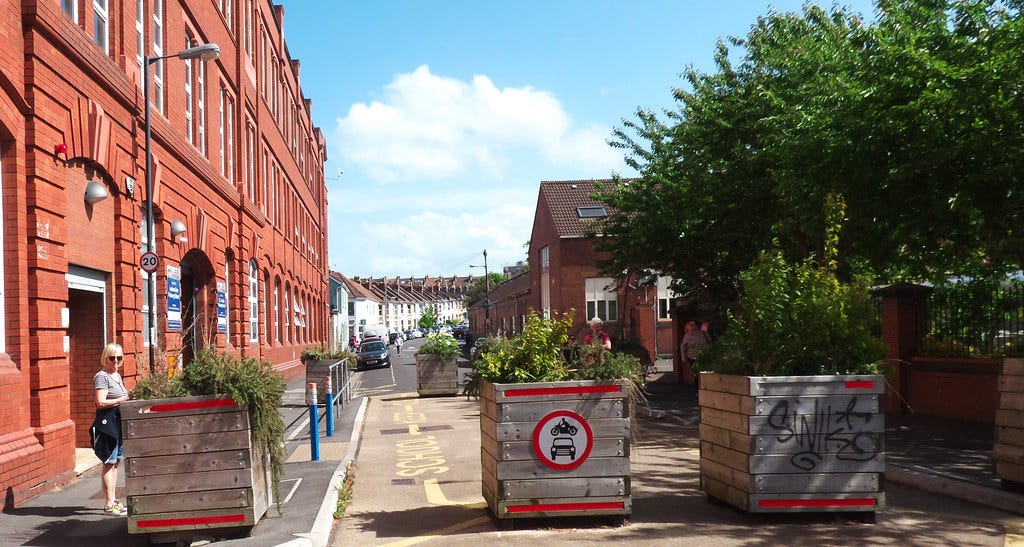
(74,515)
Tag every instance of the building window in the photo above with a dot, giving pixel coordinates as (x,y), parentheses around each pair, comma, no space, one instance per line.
(545,260)
(227,138)
(201,106)
(247,27)
(277,315)
(591,212)
(284,315)
(665,297)
(140,33)
(250,161)
(601,298)
(190,128)
(254,303)
(158,50)
(101,25)
(227,10)
(70,7)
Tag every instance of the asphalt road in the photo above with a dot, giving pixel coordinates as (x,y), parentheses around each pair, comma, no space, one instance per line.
(417,480)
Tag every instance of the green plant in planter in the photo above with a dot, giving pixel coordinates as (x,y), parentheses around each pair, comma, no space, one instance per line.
(320,353)
(439,344)
(796,319)
(251,383)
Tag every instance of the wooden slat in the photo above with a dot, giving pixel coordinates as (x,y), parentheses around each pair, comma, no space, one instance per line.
(191,501)
(725,456)
(1013,436)
(163,426)
(575,487)
(728,383)
(521,431)
(161,484)
(1010,471)
(534,411)
(831,404)
(1013,366)
(593,467)
(739,403)
(1009,400)
(733,440)
(187,444)
(825,463)
(165,465)
(506,507)
(725,492)
(817,482)
(725,420)
(142,409)
(501,391)
(136,522)
(1009,418)
(818,385)
(1008,453)
(1014,384)
(604,447)
(737,478)
(873,502)
(821,426)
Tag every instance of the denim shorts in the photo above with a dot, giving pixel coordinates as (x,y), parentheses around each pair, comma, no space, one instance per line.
(116,455)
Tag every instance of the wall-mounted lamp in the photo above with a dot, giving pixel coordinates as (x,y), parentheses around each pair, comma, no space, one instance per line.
(177,228)
(95,192)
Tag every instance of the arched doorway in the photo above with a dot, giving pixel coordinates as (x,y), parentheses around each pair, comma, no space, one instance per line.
(198,305)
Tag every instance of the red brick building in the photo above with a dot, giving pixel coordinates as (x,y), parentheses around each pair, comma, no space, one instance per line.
(564,275)
(237,164)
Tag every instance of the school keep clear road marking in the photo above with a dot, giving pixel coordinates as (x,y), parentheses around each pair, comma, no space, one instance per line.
(436,497)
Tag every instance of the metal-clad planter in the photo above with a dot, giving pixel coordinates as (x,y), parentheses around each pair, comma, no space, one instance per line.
(1009,446)
(190,464)
(781,444)
(555,449)
(436,376)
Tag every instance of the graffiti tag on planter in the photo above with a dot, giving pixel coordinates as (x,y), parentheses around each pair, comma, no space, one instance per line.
(562,440)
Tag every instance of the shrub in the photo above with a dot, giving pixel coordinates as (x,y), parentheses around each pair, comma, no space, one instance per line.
(440,344)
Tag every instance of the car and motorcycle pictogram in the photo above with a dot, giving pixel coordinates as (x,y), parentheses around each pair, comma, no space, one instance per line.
(562,440)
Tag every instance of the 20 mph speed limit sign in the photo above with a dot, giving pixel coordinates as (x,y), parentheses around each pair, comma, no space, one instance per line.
(148,262)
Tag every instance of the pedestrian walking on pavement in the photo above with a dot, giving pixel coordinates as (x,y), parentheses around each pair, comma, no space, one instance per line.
(398,344)
(105,432)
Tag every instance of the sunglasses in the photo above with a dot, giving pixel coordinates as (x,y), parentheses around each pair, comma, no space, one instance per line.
(115,357)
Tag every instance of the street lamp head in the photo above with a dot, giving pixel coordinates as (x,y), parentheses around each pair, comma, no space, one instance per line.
(203,52)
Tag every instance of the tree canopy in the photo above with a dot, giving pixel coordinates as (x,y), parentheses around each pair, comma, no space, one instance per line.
(478,291)
(913,121)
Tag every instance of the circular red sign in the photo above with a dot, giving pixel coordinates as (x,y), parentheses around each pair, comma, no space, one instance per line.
(149,261)
(562,440)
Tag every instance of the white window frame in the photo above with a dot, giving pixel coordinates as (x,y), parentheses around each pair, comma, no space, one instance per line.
(254,302)
(201,105)
(277,315)
(101,24)
(147,282)
(70,7)
(285,315)
(665,298)
(158,51)
(140,35)
(190,128)
(601,298)
(3,247)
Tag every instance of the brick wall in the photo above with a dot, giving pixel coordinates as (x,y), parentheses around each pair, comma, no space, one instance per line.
(92,102)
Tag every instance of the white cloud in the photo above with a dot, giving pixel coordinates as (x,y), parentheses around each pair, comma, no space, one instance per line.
(430,127)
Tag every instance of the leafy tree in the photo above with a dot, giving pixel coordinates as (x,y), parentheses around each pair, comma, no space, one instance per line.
(478,291)
(912,121)
(429,317)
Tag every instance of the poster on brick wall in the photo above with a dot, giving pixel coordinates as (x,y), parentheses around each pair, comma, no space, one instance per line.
(222,307)
(173,298)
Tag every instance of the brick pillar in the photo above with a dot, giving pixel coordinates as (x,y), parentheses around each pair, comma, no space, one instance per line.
(904,322)
(643,316)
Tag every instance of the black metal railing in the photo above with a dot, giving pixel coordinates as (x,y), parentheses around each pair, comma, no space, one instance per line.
(977,318)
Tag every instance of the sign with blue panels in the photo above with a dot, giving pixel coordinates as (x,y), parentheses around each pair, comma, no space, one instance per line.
(222,307)
(173,298)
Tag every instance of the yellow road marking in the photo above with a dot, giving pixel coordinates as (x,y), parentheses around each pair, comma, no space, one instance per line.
(436,497)
(1014,540)
(442,532)
(414,429)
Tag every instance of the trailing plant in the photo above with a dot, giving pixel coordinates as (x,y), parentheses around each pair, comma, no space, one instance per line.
(440,344)
(320,353)
(253,384)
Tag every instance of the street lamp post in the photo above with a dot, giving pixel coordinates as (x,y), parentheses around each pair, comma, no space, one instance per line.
(204,52)
(487,296)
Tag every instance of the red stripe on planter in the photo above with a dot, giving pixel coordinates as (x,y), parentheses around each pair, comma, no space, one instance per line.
(581,390)
(854,502)
(190,521)
(859,385)
(192,406)
(554,507)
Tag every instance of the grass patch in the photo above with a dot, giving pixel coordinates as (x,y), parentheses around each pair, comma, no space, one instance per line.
(345,492)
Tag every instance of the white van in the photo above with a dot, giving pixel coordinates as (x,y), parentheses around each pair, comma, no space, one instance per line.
(376,330)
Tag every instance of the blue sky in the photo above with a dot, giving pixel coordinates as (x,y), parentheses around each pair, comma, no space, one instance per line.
(445,115)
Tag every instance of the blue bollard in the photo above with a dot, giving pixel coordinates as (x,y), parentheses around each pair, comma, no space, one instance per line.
(314,428)
(330,409)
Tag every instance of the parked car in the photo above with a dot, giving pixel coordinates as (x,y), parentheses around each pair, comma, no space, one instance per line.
(392,336)
(412,333)
(373,353)
(472,350)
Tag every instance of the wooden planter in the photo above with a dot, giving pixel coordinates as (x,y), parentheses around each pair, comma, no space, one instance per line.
(436,376)
(780,444)
(317,371)
(1009,446)
(190,465)
(534,466)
